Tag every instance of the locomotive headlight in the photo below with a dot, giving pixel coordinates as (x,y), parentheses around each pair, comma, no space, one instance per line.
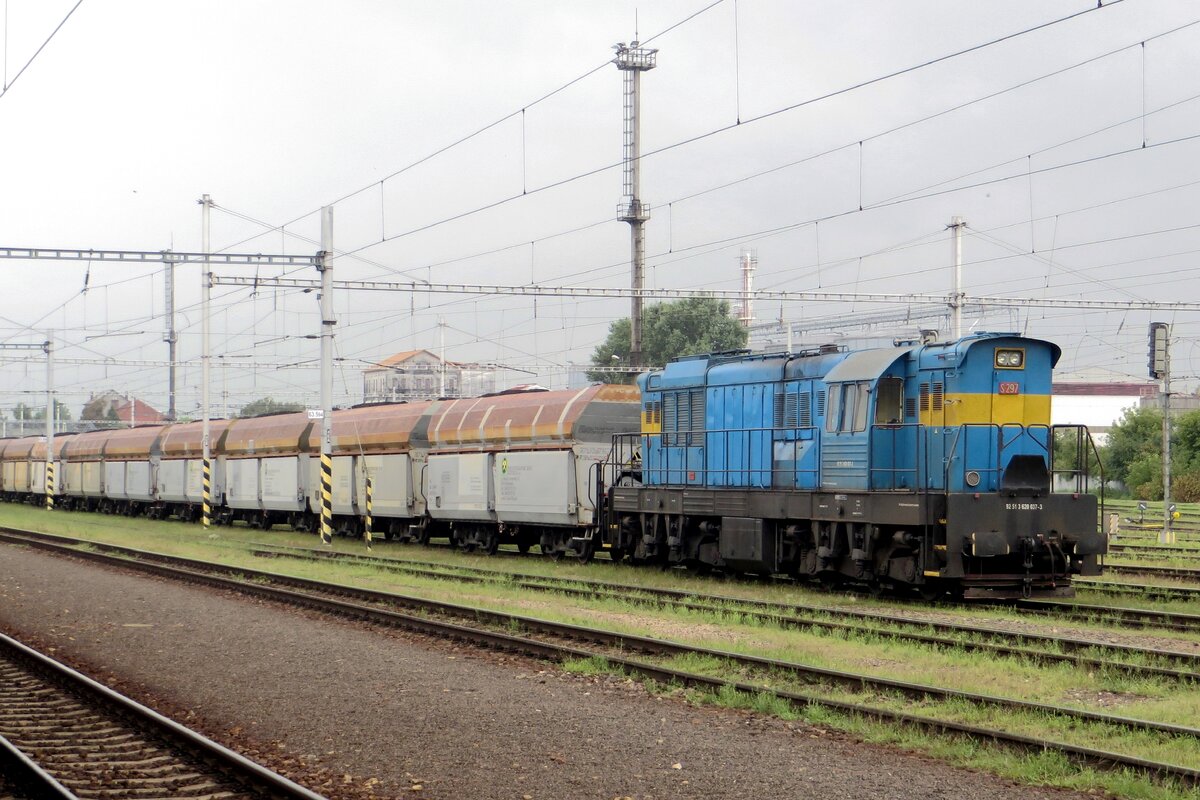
(1010,359)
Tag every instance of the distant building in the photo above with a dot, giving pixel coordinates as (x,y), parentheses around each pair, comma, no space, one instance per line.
(1097,404)
(1180,403)
(421,375)
(119,409)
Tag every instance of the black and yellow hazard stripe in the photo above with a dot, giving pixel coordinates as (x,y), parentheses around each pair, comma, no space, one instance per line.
(326,498)
(370,518)
(206,500)
(50,487)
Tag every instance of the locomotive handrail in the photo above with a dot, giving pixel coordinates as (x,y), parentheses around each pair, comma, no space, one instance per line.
(746,471)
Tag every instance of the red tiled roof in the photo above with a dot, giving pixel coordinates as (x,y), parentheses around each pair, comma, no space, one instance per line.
(137,412)
(1104,389)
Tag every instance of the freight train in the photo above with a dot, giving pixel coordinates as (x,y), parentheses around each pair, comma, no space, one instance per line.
(926,466)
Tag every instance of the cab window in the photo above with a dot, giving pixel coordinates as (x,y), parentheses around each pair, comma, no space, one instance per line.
(889,401)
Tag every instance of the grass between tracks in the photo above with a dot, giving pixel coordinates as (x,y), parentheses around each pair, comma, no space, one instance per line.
(729,630)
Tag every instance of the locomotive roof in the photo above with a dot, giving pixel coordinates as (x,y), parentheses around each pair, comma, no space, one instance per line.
(959,349)
(866,365)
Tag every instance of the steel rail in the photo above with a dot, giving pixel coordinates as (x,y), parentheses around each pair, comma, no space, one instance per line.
(21,773)
(792,616)
(620,641)
(257,777)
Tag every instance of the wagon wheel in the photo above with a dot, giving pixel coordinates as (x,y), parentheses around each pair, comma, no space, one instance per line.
(586,551)
(491,542)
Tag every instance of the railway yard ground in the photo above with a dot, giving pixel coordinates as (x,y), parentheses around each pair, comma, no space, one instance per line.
(354,709)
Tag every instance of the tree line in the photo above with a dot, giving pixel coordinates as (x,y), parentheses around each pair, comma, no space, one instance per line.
(1133,454)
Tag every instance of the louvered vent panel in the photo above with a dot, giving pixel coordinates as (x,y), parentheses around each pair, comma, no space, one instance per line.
(910,407)
(937,397)
(697,419)
(670,418)
(821,403)
(924,396)
(790,409)
(777,417)
(805,415)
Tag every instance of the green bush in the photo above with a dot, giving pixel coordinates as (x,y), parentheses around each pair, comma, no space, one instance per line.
(1186,488)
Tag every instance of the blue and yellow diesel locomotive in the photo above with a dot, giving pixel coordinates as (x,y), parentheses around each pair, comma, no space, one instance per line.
(928,465)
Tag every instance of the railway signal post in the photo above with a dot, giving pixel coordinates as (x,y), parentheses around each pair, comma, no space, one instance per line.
(1160,368)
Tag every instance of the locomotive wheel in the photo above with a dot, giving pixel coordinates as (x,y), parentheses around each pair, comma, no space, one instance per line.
(523,547)
(617,555)
(930,592)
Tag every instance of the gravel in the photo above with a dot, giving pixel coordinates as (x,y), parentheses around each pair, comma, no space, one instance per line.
(357,713)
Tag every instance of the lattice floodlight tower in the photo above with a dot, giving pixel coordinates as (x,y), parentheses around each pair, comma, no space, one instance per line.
(633,61)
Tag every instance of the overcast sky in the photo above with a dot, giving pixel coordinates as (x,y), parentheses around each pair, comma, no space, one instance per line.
(136,108)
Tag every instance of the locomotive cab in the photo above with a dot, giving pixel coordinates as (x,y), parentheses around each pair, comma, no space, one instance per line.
(1005,527)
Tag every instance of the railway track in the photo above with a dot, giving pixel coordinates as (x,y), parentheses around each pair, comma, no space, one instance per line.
(1156,551)
(1149,591)
(1039,648)
(798,684)
(1065,609)
(1182,573)
(63,735)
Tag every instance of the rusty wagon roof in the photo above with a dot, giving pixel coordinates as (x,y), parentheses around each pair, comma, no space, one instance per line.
(378,428)
(532,418)
(16,449)
(135,443)
(276,434)
(186,440)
